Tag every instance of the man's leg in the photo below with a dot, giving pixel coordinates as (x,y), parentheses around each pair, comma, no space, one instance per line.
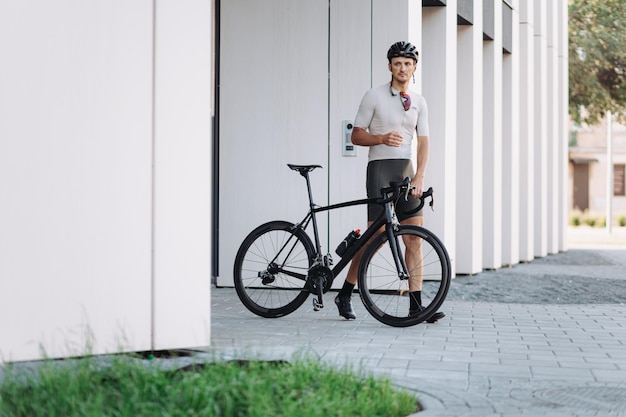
(343,299)
(413,255)
(414,262)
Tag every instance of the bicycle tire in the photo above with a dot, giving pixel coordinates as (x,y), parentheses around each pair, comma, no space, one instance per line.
(385,295)
(269,281)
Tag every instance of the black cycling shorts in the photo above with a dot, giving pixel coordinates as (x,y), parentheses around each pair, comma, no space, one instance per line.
(379,174)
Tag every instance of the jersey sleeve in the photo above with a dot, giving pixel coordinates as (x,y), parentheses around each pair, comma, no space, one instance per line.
(365,114)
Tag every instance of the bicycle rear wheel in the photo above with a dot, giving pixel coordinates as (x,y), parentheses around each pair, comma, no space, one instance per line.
(386,295)
(271,268)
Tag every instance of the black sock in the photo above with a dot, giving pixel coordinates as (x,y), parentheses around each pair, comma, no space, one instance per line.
(415,300)
(346,290)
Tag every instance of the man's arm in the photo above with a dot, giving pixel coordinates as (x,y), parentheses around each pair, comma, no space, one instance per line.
(422,163)
(362,137)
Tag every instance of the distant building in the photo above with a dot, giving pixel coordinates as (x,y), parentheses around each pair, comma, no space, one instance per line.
(588,169)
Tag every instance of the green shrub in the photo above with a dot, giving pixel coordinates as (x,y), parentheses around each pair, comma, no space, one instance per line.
(131,388)
(590,221)
(575,220)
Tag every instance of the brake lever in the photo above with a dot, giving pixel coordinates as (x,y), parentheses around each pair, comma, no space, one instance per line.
(407,192)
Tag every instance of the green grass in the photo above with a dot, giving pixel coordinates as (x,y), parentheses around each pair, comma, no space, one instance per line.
(133,388)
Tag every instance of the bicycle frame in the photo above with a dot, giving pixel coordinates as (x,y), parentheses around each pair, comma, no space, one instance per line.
(387,218)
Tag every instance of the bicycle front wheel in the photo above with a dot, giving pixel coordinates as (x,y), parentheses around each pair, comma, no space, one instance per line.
(271,268)
(385,291)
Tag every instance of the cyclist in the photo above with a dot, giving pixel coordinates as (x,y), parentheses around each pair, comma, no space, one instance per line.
(388,119)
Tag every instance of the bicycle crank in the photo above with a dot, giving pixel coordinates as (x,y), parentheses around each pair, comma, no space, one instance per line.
(319,281)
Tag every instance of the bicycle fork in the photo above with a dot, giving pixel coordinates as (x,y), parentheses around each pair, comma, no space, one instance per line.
(398,258)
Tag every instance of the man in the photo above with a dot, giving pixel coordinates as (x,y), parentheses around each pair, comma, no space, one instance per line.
(388,119)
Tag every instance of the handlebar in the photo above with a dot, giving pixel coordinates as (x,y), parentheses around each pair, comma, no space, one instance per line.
(427,193)
(392,193)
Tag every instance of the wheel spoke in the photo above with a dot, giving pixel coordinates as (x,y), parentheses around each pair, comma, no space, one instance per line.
(386,295)
(271,267)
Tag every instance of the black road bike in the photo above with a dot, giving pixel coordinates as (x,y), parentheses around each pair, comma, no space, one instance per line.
(278,266)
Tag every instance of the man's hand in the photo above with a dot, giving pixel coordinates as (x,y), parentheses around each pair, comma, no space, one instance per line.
(394,139)
(418,184)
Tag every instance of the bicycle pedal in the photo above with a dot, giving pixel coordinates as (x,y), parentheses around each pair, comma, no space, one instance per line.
(317,305)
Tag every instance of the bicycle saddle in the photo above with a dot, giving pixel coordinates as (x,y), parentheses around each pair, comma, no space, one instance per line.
(303,168)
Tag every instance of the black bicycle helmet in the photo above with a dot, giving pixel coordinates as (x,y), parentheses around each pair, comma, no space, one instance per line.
(403,49)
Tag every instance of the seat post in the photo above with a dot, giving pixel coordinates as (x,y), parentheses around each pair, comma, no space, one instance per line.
(305,174)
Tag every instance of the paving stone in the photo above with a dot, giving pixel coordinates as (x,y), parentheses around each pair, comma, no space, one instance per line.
(490,356)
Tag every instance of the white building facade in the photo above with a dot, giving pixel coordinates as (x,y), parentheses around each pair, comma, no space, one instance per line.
(141,142)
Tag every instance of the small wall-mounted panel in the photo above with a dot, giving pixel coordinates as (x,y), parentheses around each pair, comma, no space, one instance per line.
(347,147)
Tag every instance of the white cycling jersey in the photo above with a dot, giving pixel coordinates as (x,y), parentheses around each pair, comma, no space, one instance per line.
(381,111)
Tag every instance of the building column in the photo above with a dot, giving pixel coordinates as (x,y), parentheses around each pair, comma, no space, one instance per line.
(469,142)
(440,88)
(387,28)
(563,116)
(182,166)
(492,150)
(526,131)
(553,122)
(541,128)
(511,144)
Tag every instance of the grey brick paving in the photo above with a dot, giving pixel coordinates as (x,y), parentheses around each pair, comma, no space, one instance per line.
(484,359)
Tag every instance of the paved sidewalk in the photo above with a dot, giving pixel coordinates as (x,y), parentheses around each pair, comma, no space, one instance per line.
(484,359)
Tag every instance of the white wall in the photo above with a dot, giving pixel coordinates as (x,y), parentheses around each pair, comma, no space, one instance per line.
(273,111)
(309,74)
(183,163)
(351,64)
(96,190)
(563,64)
(527,173)
(511,147)
(469,143)
(439,62)
(540,106)
(490,150)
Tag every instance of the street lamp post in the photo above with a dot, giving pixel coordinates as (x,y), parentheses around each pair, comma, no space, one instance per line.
(609,172)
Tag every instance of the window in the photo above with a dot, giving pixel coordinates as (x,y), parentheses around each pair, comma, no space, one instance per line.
(618,180)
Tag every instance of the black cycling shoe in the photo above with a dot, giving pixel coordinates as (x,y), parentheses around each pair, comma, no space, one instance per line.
(432,319)
(344,304)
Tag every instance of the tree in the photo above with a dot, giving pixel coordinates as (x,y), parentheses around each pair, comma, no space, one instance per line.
(597,59)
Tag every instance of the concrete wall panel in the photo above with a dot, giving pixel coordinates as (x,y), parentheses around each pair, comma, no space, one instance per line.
(182,174)
(273,111)
(105,177)
(75,175)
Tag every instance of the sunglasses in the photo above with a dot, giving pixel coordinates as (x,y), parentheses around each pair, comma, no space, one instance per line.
(406,101)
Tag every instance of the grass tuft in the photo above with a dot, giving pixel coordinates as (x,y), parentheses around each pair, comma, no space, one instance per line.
(129,387)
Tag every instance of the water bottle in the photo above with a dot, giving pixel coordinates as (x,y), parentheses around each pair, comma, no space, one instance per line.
(347,242)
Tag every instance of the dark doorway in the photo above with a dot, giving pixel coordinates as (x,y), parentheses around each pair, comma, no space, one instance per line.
(581,186)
